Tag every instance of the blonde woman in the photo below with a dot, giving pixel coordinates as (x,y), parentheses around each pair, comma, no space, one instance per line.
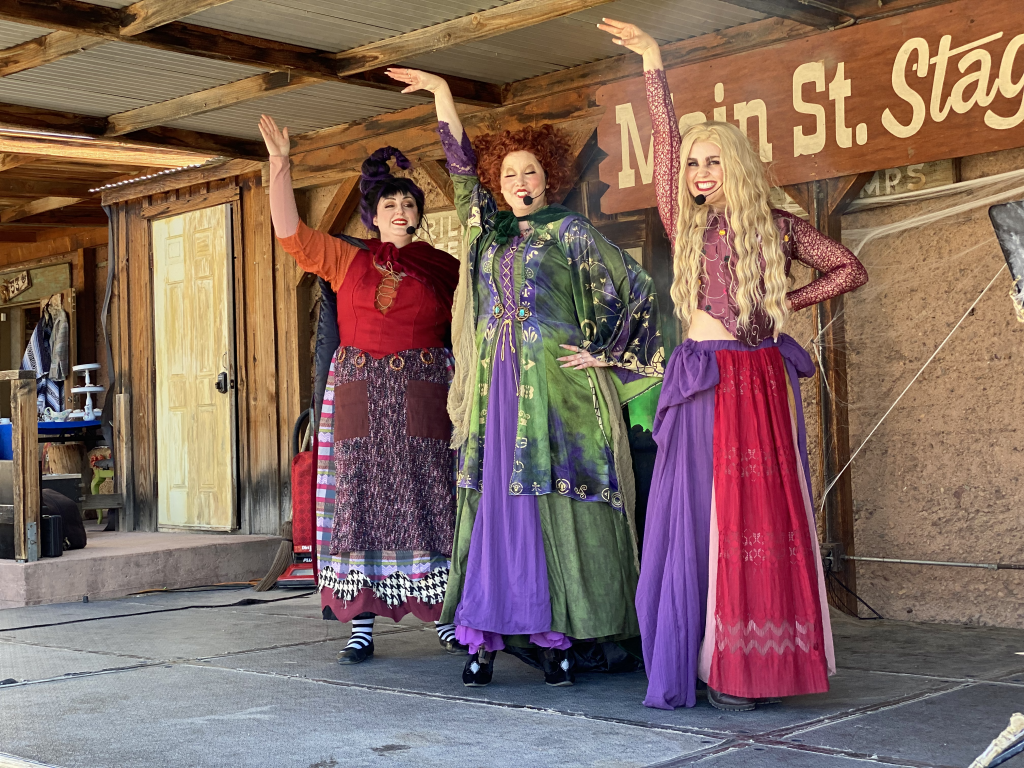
(731,588)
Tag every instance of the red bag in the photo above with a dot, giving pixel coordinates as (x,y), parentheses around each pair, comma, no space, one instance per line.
(303,502)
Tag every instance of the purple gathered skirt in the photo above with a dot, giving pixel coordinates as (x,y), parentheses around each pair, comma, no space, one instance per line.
(672,593)
(506,584)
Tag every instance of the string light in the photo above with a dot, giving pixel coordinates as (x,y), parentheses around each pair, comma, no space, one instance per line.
(165,172)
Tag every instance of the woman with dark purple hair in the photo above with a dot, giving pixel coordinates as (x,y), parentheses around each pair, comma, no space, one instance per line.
(385,475)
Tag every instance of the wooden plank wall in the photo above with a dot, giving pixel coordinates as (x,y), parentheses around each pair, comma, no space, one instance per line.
(267,352)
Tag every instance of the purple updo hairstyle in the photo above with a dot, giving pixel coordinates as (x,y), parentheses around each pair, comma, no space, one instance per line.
(376,182)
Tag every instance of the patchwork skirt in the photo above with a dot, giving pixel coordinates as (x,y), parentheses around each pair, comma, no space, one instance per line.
(385,495)
(731,585)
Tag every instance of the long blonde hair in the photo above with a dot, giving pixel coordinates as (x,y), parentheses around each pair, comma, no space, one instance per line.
(756,236)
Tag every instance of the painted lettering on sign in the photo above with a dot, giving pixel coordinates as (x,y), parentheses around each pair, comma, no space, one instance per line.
(930,85)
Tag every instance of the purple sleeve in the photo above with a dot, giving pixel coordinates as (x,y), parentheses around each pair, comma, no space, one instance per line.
(461,157)
(666,147)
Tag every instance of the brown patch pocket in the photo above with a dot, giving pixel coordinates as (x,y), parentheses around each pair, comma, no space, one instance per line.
(426,410)
(351,410)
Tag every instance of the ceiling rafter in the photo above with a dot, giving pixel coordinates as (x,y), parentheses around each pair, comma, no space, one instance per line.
(36,118)
(374,57)
(821,15)
(510,17)
(99,21)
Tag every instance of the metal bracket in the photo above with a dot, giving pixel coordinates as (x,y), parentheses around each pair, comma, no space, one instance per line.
(832,556)
(32,542)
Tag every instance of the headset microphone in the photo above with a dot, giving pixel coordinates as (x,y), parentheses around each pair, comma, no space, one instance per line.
(700,199)
(527,200)
(410,230)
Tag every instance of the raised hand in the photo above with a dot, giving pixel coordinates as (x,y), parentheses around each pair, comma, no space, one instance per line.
(278,143)
(629,36)
(416,80)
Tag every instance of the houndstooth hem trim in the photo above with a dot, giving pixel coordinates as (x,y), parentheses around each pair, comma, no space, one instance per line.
(393,590)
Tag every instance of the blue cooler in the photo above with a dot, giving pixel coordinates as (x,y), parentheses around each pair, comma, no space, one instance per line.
(6,445)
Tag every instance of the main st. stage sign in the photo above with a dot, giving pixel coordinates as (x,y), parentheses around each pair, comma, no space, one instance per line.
(929,85)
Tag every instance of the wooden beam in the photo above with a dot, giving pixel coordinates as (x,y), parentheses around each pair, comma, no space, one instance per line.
(102,22)
(25,438)
(42,205)
(15,187)
(437,172)
(149,14)
(44,50)
(727,42)
(477,26)
(18,116)
(340,209)
(96,149)
(205,101)
(178,180)
(824,201)
(17,235)
(9,161)
(188,204)
(795,10)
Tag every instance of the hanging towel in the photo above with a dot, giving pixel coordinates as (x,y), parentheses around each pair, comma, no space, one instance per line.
(59,350)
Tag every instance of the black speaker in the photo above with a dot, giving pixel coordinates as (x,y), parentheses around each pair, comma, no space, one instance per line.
(52,536)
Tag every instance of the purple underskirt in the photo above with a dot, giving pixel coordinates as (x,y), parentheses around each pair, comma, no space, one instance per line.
(672,594)
(506,584)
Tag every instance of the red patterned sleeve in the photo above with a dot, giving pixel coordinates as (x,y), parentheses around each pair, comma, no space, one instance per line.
(840,270)
(666,147)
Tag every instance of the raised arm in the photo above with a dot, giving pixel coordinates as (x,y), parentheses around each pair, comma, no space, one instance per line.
(456,144)
(840,271)
(663,118)
(314,251)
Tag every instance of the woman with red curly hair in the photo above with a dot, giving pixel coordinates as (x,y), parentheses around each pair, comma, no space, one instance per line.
(545,547)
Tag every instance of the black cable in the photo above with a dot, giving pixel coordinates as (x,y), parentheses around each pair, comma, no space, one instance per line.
(860,600)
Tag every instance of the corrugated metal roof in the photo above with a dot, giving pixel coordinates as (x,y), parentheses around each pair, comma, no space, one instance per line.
(15,34)
(573,40)
(116,77)
(308,109)
(333,25)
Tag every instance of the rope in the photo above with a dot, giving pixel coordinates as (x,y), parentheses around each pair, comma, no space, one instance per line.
(938,349)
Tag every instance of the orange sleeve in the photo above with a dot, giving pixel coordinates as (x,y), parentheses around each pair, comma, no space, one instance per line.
(322,254)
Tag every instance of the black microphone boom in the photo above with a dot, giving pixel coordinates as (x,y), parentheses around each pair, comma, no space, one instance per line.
(410,230)
(700,199)
(527,200)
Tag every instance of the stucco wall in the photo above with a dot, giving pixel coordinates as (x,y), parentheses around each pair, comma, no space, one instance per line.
(941,478)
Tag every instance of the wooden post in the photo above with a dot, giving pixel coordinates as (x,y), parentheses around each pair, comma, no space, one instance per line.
(25,444)
(122,454)
(825,201)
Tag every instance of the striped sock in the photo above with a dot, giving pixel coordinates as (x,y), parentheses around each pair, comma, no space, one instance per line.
(445,631)
(362,631)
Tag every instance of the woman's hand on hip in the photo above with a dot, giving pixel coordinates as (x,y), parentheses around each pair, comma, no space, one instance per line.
(278,143)
(580,360)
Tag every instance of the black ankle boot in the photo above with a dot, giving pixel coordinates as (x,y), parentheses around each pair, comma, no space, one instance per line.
(479,669)
(557,667)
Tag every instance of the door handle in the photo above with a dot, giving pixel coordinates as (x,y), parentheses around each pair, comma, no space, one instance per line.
(222,382)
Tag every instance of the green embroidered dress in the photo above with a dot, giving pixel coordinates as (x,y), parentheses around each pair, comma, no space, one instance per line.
(560,283)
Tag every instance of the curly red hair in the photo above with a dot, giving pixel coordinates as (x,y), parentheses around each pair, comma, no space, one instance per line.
(549,145)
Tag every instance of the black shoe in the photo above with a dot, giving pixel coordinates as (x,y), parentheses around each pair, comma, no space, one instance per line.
(452,646)
(356,655)
(479,669)
(728,703)
(557,667)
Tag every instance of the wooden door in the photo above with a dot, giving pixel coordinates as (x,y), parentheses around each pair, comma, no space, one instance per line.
(193,324)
